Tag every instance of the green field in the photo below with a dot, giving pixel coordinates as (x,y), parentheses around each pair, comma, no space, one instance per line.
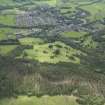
(30,41)
(50,52)
(7,49)
(96,11)
(74,34)
(44,100)
(7,33)
(7,19)
(67,9)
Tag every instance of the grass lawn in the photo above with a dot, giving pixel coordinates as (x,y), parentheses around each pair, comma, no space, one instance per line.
(44,100)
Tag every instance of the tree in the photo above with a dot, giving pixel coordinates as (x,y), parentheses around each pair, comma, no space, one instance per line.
(56,51)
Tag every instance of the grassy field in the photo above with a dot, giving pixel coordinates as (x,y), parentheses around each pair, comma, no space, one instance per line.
(50,52)
(7,33)
(45,100)
(12,2)
(67,9)
(96,11)
(6,49)
(5,2)
(19,2)
(3,36)
(73,34)
(49,2)
(30,41)
(7,19)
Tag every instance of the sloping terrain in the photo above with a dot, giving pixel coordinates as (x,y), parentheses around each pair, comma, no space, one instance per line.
(45,100)
(53,47)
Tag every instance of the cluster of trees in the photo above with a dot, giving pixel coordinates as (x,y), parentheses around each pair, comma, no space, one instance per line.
(91,100)
(32,78)
(9,42)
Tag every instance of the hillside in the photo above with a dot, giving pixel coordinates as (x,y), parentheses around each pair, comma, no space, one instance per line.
(52,47)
